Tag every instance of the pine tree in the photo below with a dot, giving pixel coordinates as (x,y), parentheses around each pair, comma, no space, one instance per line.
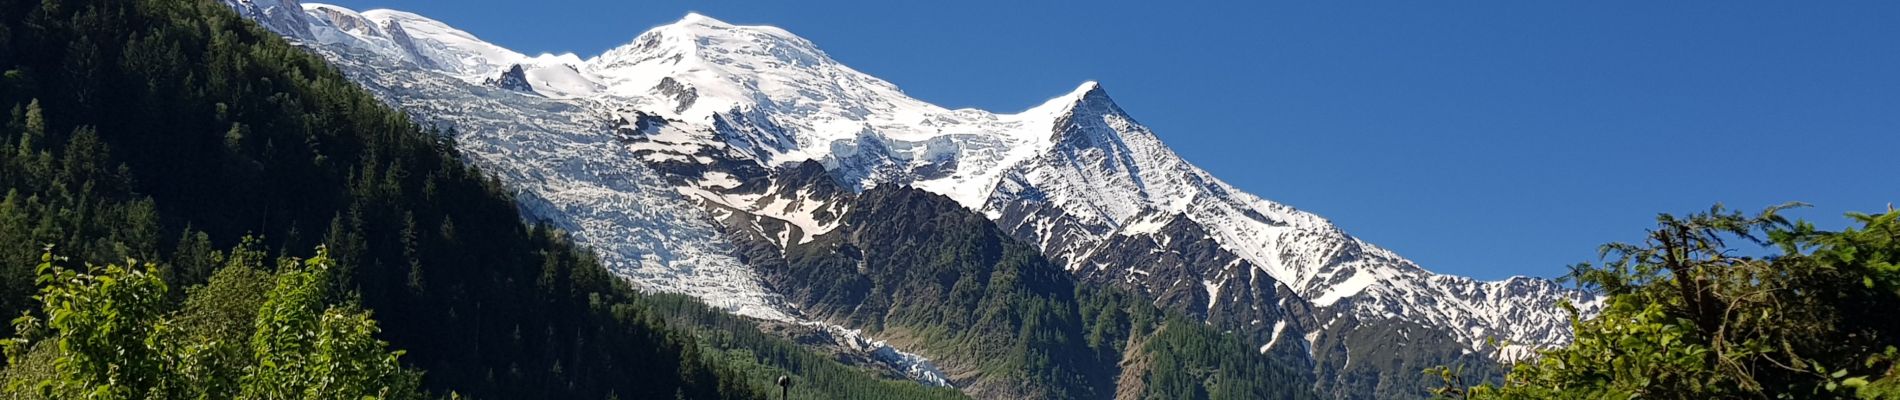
(410,252)
(194,258)
(35,130)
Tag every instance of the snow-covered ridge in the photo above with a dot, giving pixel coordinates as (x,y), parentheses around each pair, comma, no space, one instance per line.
(1070,176)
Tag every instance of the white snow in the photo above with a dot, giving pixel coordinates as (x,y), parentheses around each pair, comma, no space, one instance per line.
(1515,352)
(719,180)
(1149,225)
(1278,328)
(450,49)
(1213,293)
(915,367)
(554,76)
(1352,285)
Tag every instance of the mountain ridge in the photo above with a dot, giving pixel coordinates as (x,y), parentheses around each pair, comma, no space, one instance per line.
(715,109)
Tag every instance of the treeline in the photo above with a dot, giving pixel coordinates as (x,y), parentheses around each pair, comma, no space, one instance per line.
(164,130)
(1688,314)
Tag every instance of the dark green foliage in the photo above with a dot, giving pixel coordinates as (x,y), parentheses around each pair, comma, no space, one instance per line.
(1686,317)
(162,129)
(1193,361)
(944,280)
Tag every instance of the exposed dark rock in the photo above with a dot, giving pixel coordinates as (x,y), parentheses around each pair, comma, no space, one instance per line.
(513,79)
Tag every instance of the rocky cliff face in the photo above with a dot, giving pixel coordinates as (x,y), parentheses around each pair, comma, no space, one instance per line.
(511,79)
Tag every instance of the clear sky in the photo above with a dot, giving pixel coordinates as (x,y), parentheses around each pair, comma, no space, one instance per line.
(1481,138)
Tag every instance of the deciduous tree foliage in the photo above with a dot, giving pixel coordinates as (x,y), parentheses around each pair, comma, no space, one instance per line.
(1687,315)
(109,333)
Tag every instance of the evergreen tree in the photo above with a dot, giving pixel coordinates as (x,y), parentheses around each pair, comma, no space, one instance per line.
(34,133)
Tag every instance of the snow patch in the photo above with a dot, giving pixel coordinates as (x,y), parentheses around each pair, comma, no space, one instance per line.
(1278,327)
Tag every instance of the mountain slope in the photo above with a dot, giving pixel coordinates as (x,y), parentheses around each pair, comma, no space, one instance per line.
(160,130)
(1003,322)
(1070,176)
(711,120)
(916,268)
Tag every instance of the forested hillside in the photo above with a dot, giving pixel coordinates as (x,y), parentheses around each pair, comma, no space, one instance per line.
(916,268)
(165,130)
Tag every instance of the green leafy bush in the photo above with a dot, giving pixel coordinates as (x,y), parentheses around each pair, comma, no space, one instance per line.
(1686,316)
(111,333)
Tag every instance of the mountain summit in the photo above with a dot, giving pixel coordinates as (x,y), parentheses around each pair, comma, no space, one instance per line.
(733,66)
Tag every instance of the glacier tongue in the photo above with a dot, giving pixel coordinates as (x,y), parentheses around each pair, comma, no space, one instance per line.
(637,151)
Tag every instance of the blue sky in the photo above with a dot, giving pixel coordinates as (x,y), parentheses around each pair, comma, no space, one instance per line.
(1481,138)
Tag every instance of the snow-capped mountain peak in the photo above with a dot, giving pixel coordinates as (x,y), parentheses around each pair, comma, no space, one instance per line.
(1056,106)
(722,114)
(1087,91)
(723,67)
(695,18)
